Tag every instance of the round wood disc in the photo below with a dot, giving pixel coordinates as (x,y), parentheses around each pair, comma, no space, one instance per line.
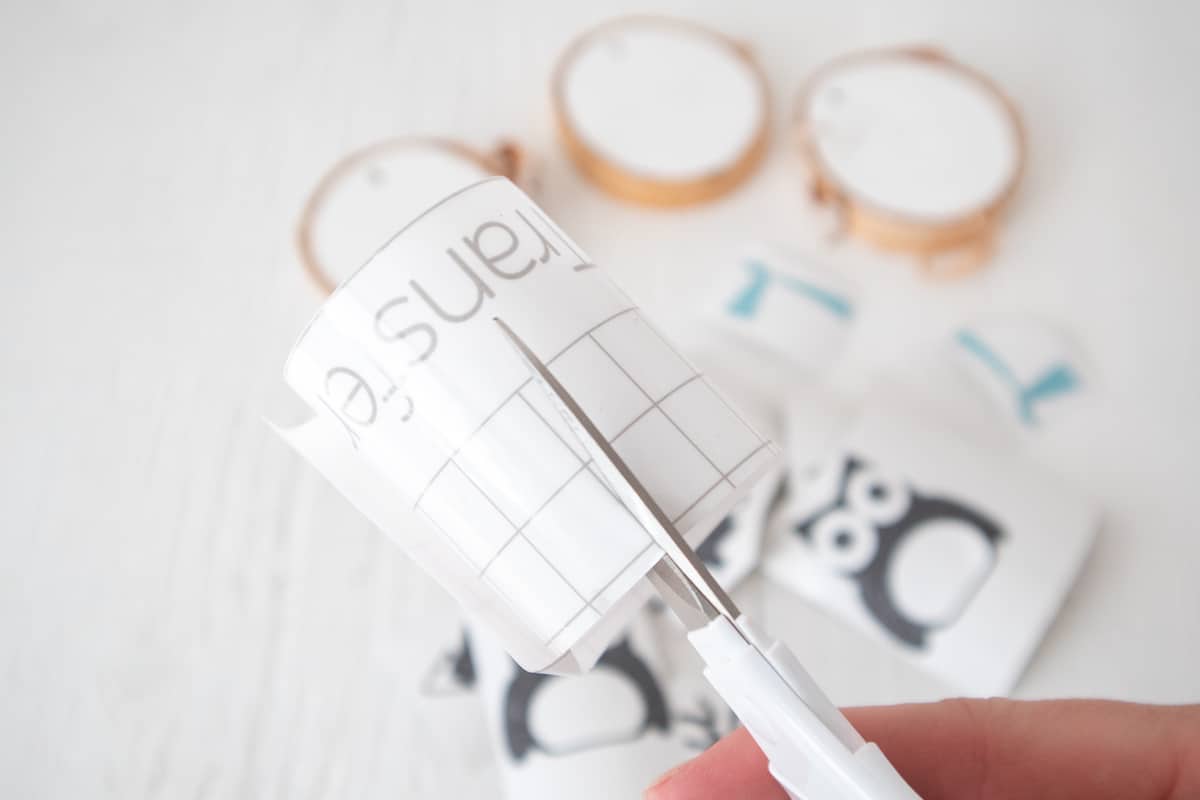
(661,111)
(369,195)
(923,151)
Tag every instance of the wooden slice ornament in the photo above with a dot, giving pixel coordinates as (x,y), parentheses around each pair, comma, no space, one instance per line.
(917,153)
(370,194)
(660,111)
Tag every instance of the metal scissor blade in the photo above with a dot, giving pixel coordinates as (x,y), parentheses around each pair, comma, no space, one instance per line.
(682,596)
(625,483)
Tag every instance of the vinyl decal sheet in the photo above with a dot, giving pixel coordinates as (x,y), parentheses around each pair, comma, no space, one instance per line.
(954,553)
(430,421)
(608,733)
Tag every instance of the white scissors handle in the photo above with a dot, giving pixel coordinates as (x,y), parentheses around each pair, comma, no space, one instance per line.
(812,749)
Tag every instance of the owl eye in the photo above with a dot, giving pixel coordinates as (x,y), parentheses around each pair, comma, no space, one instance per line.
(845,541)
(881,498)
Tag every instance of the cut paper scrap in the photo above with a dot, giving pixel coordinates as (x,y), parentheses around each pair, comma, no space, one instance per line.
(406,365)
(1033,372)
(917,517)
(785,306)
(954,554)
(608,733)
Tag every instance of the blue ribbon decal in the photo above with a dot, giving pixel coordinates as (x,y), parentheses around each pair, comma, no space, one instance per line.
(1058,379)
(745,304)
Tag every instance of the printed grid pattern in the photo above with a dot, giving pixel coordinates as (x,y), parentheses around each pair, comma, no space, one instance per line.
(524,536)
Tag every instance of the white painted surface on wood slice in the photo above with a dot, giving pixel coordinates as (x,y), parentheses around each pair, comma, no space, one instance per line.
(663,101)
(913,137)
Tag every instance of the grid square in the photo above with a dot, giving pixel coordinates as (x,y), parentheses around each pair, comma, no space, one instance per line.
(456,506)
(638,566)
(517,460)
(604,392)
(544,407)
(538,595)
(574,630)
(593,555)
(703,509)
(653,441)
(754,464)
(644,354)
(709,422)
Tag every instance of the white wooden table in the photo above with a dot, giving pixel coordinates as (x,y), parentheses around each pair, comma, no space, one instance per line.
(186,610)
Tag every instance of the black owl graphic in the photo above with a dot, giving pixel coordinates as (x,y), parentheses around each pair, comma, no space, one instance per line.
(699,727)
(710,549)
(736,523)
(859,524)
(523,689)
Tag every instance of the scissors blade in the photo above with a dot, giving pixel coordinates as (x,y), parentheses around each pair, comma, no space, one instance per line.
(632,493)
(682,596)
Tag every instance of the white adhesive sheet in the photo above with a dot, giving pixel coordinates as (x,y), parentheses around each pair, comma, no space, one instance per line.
(431,423)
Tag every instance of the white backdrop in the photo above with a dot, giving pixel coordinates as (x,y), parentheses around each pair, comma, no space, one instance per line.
(186,610)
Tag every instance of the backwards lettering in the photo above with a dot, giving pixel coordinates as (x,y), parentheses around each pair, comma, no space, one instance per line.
(492,251)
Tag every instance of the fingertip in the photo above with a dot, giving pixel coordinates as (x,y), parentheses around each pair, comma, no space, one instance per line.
(661,788)
(733,767)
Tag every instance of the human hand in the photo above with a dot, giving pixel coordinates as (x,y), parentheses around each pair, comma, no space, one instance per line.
(984,749)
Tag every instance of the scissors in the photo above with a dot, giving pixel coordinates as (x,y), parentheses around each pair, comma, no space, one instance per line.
(813,751)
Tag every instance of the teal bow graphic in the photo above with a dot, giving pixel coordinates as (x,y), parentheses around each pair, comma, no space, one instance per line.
(1058,379)
(746,303)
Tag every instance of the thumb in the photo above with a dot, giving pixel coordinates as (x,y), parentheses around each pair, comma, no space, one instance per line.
(989,748)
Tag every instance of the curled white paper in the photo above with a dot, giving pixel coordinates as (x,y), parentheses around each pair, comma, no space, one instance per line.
(429,421)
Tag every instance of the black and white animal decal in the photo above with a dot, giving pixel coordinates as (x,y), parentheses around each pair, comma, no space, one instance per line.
(526,687)
(732,550)
(452,673)
(710,549)
(901,546)
(557,715)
